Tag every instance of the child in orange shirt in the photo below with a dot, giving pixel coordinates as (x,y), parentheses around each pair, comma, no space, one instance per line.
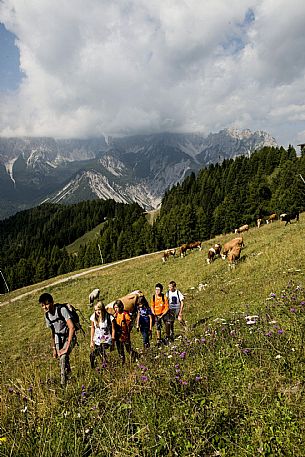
(122,322)
(159,306)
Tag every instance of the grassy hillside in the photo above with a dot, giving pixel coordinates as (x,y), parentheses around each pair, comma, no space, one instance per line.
(88,236)
(223,388)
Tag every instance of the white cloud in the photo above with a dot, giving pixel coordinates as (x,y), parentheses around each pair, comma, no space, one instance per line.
(132,66)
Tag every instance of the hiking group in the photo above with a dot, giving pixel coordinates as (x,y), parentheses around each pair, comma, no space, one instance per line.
(109,330)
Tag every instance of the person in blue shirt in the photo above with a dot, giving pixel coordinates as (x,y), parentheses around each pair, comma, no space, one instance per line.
(144,320)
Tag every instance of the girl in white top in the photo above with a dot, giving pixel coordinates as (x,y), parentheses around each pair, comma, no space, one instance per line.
(102,333)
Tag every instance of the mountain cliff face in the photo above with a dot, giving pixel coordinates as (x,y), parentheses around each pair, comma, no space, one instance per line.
(138,168)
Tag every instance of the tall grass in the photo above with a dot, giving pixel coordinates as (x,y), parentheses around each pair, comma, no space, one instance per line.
(227,386)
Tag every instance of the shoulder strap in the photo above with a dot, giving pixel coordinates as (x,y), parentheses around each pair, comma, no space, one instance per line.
(154,299)
(163,299)
(178,296)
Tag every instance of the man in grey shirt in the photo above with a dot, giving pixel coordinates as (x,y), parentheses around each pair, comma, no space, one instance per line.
(176,304)
(59,320)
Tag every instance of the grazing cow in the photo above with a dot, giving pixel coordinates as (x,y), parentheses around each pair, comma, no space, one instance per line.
(230,245)
(196,244)
(234,255)
(167,253)
(94,295)
(130,302)
(243,228)
(288,217)
(182,250)
(259,222)
(213,252)
(271,218)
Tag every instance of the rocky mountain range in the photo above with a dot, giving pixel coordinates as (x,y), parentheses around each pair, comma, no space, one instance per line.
(137,168)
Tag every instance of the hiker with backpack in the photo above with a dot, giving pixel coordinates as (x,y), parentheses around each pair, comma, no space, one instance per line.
(176,304)
(160,308)
(59,319)
(102,333)
(122,323)
(144,320)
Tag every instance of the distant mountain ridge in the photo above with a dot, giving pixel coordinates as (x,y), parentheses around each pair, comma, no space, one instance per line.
(137,168)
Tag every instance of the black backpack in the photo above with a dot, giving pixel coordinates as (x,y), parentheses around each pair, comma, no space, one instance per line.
(73,314)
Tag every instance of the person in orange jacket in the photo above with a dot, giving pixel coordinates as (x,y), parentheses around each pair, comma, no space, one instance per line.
(160,309)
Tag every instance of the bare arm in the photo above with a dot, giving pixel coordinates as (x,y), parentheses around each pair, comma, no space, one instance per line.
(71,328)
(53,344)
(180,311)
(138,319)
(92,335)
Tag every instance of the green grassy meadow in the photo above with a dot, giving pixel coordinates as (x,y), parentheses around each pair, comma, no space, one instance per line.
(223,388)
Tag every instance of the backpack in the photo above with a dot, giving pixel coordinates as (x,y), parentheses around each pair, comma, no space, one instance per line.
(73,314)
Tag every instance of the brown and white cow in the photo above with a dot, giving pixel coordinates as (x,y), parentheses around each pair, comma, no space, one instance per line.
(167,253)
(213,252)
(182,250)
(194,245)
(130,302)
(234,255)
(243,228)
(271,218)
(227,247)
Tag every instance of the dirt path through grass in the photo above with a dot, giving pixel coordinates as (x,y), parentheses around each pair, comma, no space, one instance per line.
(74,276)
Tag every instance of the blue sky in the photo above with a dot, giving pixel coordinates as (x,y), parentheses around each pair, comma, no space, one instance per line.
(10,74)
(92,67)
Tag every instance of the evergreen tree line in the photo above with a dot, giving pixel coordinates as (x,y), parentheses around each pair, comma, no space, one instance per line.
(219,199)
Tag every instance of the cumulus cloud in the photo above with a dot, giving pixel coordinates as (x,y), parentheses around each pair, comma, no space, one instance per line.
(132,66)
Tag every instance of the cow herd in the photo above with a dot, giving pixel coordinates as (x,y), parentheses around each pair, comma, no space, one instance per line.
(232,249)
(284,217)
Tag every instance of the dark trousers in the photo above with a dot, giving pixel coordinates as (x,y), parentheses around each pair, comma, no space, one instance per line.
(98,351)
(121,346)
(145,335)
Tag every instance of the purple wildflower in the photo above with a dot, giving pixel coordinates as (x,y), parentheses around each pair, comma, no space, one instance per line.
(182,355)
(293,310)
(198,378)
(30,389)
(83,387)
(280,331)
(84,394)
(302,303)
(246,351)
(203,340)
(268,334)
(104,365)
(272,295)
(144,378)
(177,366)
